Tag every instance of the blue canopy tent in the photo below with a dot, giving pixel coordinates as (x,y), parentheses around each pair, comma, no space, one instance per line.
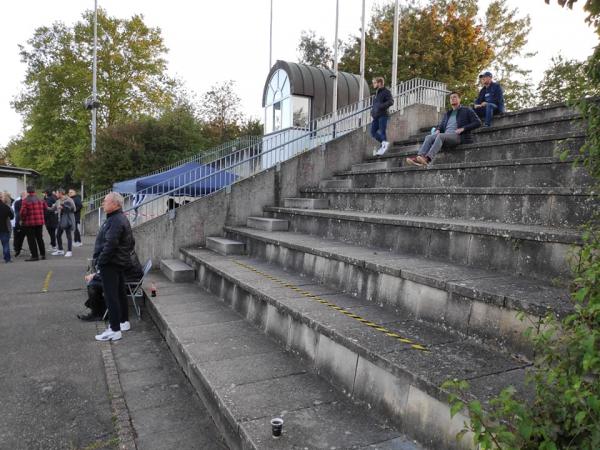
(194,179)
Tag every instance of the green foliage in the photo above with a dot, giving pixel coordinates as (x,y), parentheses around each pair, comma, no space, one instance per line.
(314,51)
(132,83)
(506,34)
(565,378)
(220,109)
(566,80)
(443,40)
(440,41)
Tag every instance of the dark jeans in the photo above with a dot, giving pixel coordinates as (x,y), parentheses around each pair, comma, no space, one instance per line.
(115,295)
(378,127)
(35,239)
(77,237)
(487,113)
(69,238)
(18,238)
(5,239)
(52,233)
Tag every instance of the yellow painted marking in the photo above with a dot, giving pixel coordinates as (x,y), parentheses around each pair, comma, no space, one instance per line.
(47,282)
(344,311)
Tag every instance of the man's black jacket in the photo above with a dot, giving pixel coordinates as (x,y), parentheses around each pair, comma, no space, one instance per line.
(465,118)
(382,101)
(114,241)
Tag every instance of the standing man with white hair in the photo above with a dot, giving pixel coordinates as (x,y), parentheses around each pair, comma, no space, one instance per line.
(112,250)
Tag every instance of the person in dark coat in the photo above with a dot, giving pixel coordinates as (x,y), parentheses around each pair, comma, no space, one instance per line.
(78,206)
(18,231)
(6,215)
(51,217)
(95,301)
(490,100)
(379,111)
(455,128)
(112,250)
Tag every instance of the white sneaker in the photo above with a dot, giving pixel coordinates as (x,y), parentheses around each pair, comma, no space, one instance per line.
(77,244)
(125,326)
(53,249)
(68,254)
(383,149)
(57,253)
(109,335)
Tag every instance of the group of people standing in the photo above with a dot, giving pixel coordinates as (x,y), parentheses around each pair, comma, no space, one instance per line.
(26,217)
(455,127)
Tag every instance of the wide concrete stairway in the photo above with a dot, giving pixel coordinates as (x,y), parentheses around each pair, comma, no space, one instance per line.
(349,305)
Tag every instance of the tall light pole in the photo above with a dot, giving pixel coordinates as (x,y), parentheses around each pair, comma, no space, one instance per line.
(94,75)
(271,37)
(335,60)
(395,51)
(362,55)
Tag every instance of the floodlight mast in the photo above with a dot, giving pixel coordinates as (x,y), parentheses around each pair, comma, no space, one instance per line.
(94,75)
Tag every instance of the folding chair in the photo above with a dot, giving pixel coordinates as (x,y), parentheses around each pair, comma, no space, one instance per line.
(135,289)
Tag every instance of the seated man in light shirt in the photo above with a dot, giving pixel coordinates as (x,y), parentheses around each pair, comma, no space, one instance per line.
(455,128)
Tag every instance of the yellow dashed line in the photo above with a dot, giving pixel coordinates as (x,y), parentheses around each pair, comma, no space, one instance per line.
(47,282)
(340,309)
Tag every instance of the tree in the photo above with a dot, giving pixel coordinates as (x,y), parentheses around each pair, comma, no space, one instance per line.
(506,34)
(441,40)
(314,51)
(132,83)
(220,109)
(140,146)
(565,80)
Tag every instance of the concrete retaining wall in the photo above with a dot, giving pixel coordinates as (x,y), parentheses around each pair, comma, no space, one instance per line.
(192,223)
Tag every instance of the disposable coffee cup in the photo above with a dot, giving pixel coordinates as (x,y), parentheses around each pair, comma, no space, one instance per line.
(277,427)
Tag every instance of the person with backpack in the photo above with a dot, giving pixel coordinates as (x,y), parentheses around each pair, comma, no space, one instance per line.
(379,111)
(65,206)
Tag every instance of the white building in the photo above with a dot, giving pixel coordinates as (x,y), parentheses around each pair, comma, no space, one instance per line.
(15,179)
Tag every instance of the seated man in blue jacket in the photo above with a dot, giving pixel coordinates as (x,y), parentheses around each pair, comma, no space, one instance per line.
(455,128)
(490,100)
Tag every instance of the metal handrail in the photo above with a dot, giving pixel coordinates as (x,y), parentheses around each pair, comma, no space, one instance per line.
(215,153)
(146,204)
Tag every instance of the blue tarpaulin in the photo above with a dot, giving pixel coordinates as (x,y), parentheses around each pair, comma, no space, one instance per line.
(192,179)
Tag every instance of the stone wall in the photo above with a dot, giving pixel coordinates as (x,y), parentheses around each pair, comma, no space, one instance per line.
(192,223)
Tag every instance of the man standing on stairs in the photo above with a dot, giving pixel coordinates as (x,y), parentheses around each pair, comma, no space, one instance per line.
(379,111)
(455,128)
(490,100)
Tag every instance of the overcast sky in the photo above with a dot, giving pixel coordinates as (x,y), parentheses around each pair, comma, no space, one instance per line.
(210,41)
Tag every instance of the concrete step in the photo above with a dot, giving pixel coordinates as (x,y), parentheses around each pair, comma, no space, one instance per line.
(267,224)
(376,165)
(306,203)
(527,250)
(546,206)
(176,270)
(245,378)
(479,304)
(527,172)
(556,110)
(381,356)
(525,129)
(225,246)
(339,183)
(533,147)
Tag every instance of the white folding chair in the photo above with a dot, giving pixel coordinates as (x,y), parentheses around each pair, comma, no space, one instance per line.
(135,289)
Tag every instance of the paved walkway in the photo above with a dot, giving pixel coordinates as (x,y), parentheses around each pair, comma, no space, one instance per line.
(53,379)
